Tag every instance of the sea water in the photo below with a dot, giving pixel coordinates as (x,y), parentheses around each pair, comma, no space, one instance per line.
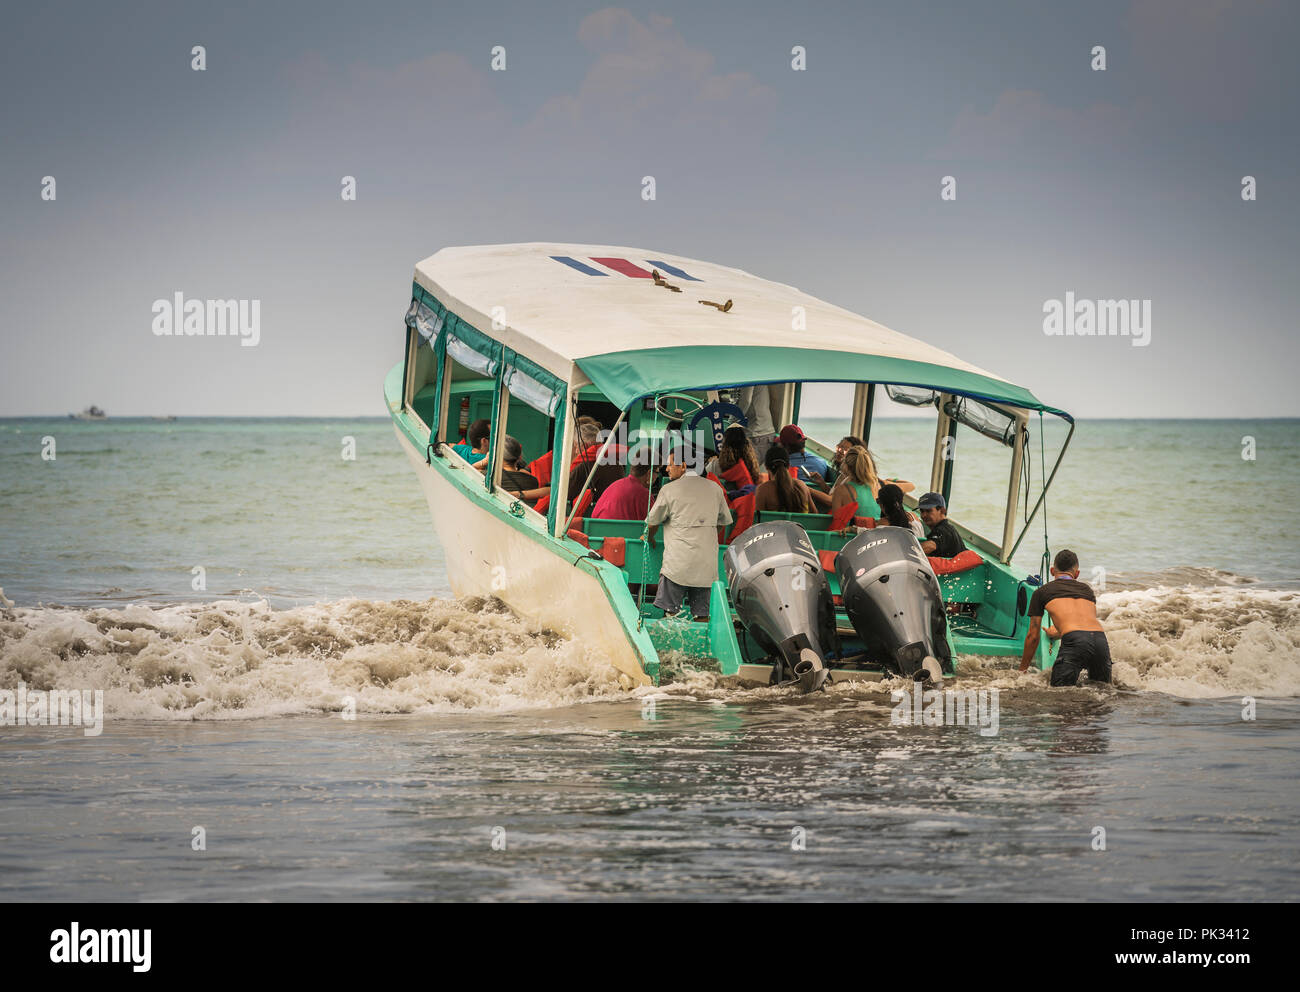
(296,707)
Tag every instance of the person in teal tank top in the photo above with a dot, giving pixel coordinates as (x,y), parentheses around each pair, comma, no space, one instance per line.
(867,505)
(858,483)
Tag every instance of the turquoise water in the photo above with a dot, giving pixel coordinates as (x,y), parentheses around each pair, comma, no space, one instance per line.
(1136,497)
(270,508)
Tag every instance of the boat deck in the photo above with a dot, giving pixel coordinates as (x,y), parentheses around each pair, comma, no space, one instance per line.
(987,603)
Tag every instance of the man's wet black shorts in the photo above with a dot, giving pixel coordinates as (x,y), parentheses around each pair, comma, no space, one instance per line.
(1082,651)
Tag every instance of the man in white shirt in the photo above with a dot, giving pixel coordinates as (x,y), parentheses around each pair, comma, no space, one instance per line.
(693,512)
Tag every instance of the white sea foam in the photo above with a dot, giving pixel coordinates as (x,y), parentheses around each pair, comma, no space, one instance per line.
(232,660)
(237,660)
(1205,641)
(1194,641)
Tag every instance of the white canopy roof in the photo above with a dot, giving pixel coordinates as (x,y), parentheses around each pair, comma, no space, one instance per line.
(560,303)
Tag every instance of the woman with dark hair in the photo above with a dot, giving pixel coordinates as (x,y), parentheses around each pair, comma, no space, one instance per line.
(894,514)
(734,450)
(781,492)
(514,479)
(841,449)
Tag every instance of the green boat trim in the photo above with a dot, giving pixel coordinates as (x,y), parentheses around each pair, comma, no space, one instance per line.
(627,376)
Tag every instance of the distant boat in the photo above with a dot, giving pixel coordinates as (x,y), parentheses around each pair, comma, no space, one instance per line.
(91,412)
(167,419)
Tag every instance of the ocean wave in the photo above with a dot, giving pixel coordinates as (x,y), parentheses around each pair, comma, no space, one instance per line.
(232,660)
(1200,642)
(1197,641)
(1178,576)
(241,660)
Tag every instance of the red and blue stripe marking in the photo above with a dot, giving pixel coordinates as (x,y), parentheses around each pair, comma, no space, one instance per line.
(624,267)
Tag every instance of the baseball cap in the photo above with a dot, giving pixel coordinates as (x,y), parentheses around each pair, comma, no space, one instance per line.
(791,434)
(932,500)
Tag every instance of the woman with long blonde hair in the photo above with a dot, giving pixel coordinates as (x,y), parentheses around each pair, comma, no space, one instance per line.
(858,482)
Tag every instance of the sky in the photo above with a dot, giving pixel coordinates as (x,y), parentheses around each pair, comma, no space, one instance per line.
(225,183)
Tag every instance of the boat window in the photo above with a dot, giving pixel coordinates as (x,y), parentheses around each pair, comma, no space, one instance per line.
(983,455)
(979,492)
(531,417)
(537,395)
(983,419)
(903,441)
(421,360)
(912,396)
(993,423)
(476,361)
(825,409)
(422,318)
(421,369)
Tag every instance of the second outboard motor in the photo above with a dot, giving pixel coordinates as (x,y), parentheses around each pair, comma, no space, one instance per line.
(892,598)
(783,598)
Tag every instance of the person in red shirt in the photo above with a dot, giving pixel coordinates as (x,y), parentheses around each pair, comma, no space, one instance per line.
(628,498)
(607,472)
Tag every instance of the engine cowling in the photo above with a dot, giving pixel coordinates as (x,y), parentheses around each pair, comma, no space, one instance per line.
(892,598)
(783,598)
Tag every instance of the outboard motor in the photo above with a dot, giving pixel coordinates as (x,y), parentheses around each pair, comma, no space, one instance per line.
(891,595)
(783,598)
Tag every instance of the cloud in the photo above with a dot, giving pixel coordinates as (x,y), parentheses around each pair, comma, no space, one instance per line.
(1215,60)
(1025,121)
(648,83)
(394,111)
(646,96)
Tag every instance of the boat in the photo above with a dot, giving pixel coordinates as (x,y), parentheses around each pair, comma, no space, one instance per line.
(532,336)
(91,412)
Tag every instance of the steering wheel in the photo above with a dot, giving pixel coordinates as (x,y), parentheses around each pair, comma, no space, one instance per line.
(720,415)
(677,414)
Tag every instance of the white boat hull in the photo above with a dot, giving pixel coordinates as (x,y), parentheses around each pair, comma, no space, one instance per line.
(489,556)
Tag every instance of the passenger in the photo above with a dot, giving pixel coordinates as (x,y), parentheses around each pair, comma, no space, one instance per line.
(1072,607)
(477,448)
(837,463)
(756,404)
(821,488)
(894,514)
(628,498)
(793,440)
(513,477)
(837,460)
(781,492)
(694,514)
(736,449)
(944,541)
(540,468)
(587,446)
(858,483)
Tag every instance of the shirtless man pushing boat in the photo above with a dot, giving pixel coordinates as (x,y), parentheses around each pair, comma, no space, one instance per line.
(1072,607)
